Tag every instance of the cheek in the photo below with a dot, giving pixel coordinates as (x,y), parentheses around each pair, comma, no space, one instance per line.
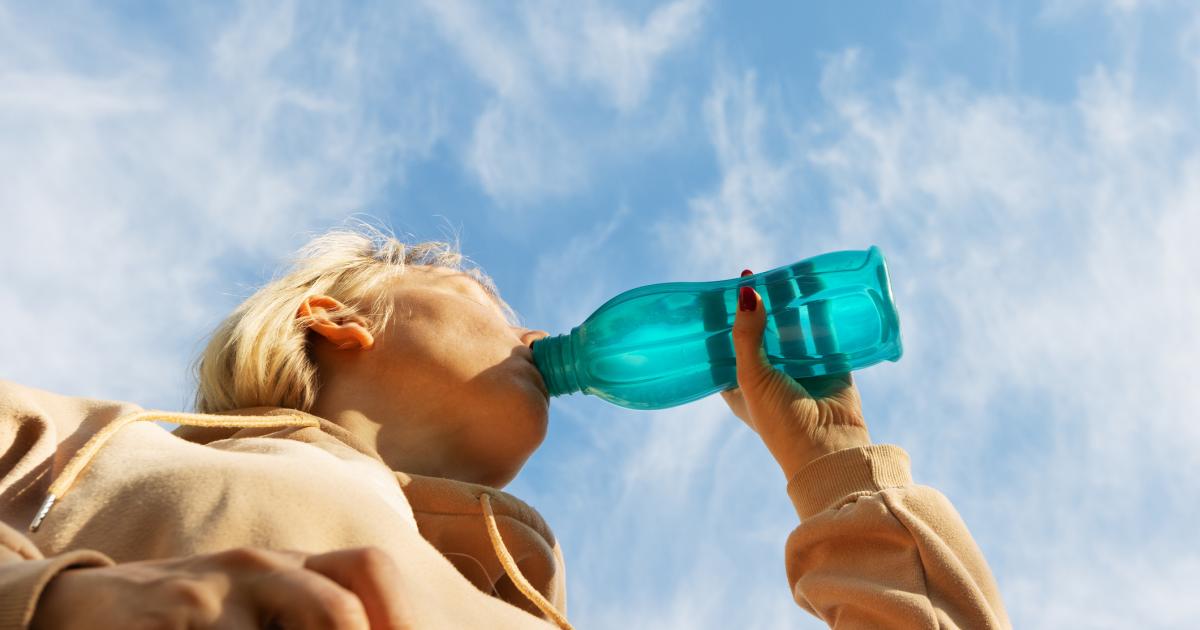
(466,367)
(447,348)
(512,416)
(471,342)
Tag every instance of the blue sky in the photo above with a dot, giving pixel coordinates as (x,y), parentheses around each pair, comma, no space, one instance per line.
(1031,170)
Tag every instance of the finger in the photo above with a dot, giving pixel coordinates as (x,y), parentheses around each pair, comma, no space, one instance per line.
(299,598)
(371,575)
(754,371)
(252,559)
(733,398)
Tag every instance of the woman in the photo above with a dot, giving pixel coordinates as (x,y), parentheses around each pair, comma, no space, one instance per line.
(357,417)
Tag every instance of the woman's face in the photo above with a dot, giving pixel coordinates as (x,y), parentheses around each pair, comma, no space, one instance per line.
(450,382)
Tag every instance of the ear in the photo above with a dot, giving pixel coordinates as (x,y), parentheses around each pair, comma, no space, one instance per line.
(347,332)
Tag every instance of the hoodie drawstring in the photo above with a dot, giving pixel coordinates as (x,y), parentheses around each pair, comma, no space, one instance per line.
(81,458)
(79,461)
(513,571)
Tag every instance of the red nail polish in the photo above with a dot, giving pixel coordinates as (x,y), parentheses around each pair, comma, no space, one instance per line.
(746,272)
(746,299)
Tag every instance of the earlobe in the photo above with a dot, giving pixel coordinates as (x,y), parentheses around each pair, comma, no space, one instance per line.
(346,332)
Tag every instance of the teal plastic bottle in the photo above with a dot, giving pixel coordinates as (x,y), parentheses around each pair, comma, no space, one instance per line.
(663,345)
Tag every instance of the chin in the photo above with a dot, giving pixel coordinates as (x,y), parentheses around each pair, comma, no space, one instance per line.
(530,415)
(514,436)
(500,480)
(530,428)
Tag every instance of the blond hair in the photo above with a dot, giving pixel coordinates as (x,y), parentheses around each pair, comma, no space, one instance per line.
(259,355)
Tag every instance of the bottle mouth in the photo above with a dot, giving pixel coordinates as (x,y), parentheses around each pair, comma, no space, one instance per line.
(554,357)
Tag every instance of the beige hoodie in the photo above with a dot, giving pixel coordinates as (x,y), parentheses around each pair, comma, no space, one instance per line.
(134,491)
(873,551)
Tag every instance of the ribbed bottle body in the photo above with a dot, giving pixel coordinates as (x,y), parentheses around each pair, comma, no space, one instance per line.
(663,345)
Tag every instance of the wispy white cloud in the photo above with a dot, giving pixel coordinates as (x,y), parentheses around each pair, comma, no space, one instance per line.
(131,179)
(1189,52)
(484,42)
(72,95)
(561,299)
(519,156)
(522,150)
(1064,9)
(596,45)
(755,192)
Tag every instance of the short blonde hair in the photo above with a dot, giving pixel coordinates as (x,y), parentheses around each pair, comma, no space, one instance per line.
(259,356)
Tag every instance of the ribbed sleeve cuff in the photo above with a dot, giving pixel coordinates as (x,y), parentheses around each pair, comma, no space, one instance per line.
(22,582)
(827,480)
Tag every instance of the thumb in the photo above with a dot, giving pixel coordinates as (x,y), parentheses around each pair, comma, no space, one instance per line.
(753,368)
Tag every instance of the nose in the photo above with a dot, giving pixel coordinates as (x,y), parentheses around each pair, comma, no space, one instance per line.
(528,335)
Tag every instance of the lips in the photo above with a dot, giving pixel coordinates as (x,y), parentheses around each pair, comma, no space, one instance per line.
(526,353)
(541,383)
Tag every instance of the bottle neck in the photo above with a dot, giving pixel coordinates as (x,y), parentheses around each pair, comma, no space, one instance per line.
(555,359)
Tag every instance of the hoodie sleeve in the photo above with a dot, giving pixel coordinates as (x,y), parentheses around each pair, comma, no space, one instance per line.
(876,551)
(32,425)
(24,573)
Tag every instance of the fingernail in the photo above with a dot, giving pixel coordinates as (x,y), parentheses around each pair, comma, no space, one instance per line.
(746,300)
(746,272)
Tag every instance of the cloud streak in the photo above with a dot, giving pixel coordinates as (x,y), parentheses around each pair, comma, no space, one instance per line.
(521,151)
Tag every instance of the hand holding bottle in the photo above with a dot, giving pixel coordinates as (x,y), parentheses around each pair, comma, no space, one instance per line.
(798,419)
